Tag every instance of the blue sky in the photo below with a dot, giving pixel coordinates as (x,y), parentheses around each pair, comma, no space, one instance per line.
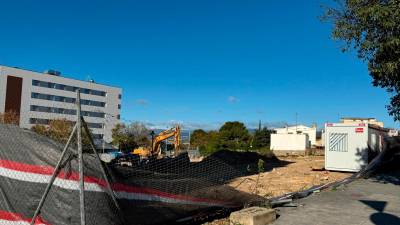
(197,62)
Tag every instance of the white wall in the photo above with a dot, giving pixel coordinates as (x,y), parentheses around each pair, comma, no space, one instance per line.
(323,137)
(376,139)
(356,143)
(310,131)
(289,142)
(354,154)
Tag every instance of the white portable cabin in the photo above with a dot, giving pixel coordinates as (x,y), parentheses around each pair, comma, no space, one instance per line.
(349,147)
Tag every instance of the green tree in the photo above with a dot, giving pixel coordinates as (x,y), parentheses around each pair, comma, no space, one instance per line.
(60,130)
(234,136)
(212,144)
(118,134)
(262,138)
(130,136)
(198,138)
(371,27)
(140,133)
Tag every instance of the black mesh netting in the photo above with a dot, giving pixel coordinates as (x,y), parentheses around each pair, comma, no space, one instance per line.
(149,192)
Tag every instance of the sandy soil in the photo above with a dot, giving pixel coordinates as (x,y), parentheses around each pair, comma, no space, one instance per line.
(296,176)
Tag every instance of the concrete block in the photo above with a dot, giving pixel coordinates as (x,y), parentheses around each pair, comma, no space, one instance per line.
(253,216)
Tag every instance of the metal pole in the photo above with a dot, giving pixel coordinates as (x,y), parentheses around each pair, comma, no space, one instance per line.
(189,140)
(53,177)
(152,140)
(103,171)
(104,131)
(80,158)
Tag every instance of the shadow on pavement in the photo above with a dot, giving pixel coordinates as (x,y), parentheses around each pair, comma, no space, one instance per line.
(380,217)
(384,219)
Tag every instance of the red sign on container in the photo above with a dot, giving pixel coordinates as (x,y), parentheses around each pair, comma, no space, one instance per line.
(359,130)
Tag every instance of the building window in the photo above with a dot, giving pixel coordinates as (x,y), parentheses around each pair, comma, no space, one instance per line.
(96,125)
(97,136)
(39,121)
(119,96)
(93,114)
(47,122)
(66,99)
(53,110)
(119,106)
(67,88)
(100,93)
(46,109)
(119,117)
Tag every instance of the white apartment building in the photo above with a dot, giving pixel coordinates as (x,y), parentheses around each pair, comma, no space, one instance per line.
(40,97)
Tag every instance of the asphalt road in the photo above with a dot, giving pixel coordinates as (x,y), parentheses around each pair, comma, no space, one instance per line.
(373,201)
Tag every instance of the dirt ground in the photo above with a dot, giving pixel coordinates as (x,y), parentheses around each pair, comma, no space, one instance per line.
(296,176)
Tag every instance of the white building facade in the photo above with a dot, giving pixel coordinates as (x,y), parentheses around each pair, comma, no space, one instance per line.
(38,98)
(289,142)
(358,120)
(311,132)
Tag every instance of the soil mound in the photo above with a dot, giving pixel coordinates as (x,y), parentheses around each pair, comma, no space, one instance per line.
(239,158)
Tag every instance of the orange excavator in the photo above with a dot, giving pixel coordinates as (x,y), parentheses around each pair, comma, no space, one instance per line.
(155,150)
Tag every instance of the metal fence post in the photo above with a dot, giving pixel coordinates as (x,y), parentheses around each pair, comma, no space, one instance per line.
(80,158)
(103,171)
(53,177)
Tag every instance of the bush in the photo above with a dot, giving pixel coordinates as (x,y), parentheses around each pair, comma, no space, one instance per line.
(9,117)
(265,151)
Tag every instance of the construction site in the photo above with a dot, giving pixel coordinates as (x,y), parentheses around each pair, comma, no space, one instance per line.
(47,182)
(200,112)
(170,190)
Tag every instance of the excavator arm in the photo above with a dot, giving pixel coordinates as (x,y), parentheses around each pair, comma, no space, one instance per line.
(155,149)
(173,132)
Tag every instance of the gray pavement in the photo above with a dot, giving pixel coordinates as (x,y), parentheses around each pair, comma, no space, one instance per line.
(374,201)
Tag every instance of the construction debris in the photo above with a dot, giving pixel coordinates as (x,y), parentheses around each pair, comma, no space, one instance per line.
(253,216)
(318,168)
